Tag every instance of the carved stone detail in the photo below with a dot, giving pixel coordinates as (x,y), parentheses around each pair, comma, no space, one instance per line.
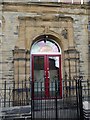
(65,33)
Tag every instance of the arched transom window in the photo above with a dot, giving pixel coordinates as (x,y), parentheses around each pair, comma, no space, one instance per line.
(45,47)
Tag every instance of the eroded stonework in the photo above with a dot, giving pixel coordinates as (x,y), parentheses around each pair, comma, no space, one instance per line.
(23,23)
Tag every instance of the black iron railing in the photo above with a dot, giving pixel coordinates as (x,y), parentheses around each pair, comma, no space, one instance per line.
(47,104)
(15,93)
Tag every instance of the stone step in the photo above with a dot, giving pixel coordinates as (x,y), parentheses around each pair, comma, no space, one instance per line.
(16,113)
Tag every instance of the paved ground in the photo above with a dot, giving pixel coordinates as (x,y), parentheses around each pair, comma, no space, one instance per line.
(10,113)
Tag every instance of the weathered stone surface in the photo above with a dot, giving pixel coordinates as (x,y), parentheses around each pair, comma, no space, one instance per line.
(23,22)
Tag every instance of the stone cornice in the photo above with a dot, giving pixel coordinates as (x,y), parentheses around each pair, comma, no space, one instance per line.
(47,7)
(48,17)
(49,4)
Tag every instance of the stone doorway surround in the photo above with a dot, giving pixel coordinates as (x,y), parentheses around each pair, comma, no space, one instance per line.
(32,28)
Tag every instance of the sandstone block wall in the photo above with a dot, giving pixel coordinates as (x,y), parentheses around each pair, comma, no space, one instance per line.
(12,30)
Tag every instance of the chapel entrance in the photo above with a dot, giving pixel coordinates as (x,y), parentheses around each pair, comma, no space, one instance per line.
(46,70)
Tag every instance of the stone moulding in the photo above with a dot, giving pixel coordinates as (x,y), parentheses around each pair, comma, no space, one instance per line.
(46,17)
(34,6)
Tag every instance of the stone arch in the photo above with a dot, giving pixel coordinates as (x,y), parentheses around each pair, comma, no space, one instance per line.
(58,39)
(52,35)
(70,56)
(47,38)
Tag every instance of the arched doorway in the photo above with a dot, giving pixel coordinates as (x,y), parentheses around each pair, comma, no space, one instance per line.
(46,68)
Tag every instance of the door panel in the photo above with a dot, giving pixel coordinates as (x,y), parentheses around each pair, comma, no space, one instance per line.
(54,76)
(46,75)
(38,76)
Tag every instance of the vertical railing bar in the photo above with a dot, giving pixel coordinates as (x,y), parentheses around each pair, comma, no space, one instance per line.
(4,93)
(29,91)
(30,82)
(80,99)
(41,99)
(66,93)
(45,105)
(37,94)
(9,96)
(18,92)
(13,92)
(73,87)
(77,99)
(25,92)
(37,89)
(32,99)
(22,93)
(88,88)
(56,100)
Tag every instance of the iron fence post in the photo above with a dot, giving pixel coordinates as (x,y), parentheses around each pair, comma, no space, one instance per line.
(77,99)
(56,99)
(80,99)
(9,97)
(32,100)
(13,93)
(5,94)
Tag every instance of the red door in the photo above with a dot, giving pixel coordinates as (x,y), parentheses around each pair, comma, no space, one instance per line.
(46,76)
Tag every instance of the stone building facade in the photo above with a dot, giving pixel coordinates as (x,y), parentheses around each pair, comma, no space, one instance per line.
(24,22)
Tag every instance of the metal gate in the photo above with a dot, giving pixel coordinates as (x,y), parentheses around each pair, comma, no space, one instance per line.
(46,107)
